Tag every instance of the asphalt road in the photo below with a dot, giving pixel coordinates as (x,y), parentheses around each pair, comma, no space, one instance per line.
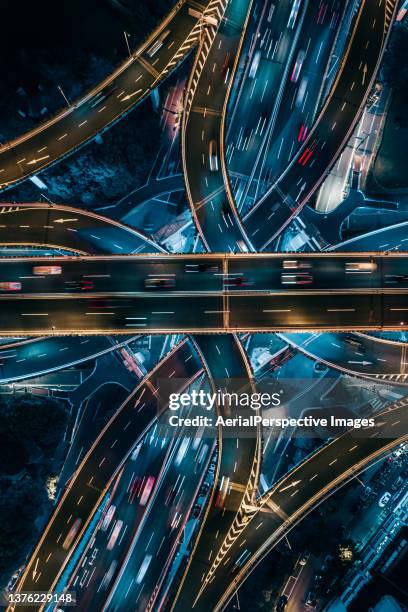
(95,472)
(38,356)
(299,491)
(203,126)
(331,130)
(69,228)
(227,293)
(363,355)
(105,104)
(236,474)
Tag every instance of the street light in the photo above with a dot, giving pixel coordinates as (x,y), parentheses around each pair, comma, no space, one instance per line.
(63,95)
(126,35)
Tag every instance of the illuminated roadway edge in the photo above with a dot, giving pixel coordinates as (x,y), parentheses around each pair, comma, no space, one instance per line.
(34,142)
(35,347)
(203,303)
(33,578)
(262,535)
(60,226)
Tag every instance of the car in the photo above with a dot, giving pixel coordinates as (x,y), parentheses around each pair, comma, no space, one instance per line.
(303,129)
(201,267)
(254,65)
(158,43)
(293,14)
(298,66)
(114,535)
(213,155)
(196,511)
(10,286)
(160,282)
(295,264)
(147,489)
(301,92)
(71,534)
(303,278)
(47,270)
(354,342)
(384,499)
(237,281)
(366,267)
(80,285)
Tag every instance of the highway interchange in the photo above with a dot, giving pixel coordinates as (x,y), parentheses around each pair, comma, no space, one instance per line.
(97,290)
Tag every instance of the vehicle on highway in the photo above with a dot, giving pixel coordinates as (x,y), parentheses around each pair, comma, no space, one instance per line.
(47,270)
(243,558)
(114,535)
(237,281)
(303,129)
(271,11)
(300,96)
(303,278)
(108,517)
(396,278)
(279,360)
(79,285)
(143,569)
(10,286)
(295,264)
(298,66)
(242,246)
(201,267)
(354,342)
(384,499)
(144,498)
(109,574)
(222,493)
(254,65)
(293,14)
(213,155)
(160,282)
(71,534)
(158,43)
(361,266)
(225,68)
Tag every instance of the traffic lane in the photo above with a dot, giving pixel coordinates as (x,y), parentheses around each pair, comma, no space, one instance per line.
(246,131)
(54,314)
(214,214)
(36,357)
(173,502)
(114,275)
(96,470)
(69,228)
(306,311)
(256,311)
(195,274)
(291,273)
(89,115)
(303,93)
(91,592)
(356,353)
(391,238)
(332,128)
(300,489)
(238,465)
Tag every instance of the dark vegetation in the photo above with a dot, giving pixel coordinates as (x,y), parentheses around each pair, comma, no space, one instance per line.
(31,430)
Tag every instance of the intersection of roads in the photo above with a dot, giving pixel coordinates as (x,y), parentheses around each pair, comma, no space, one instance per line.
(113,282)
